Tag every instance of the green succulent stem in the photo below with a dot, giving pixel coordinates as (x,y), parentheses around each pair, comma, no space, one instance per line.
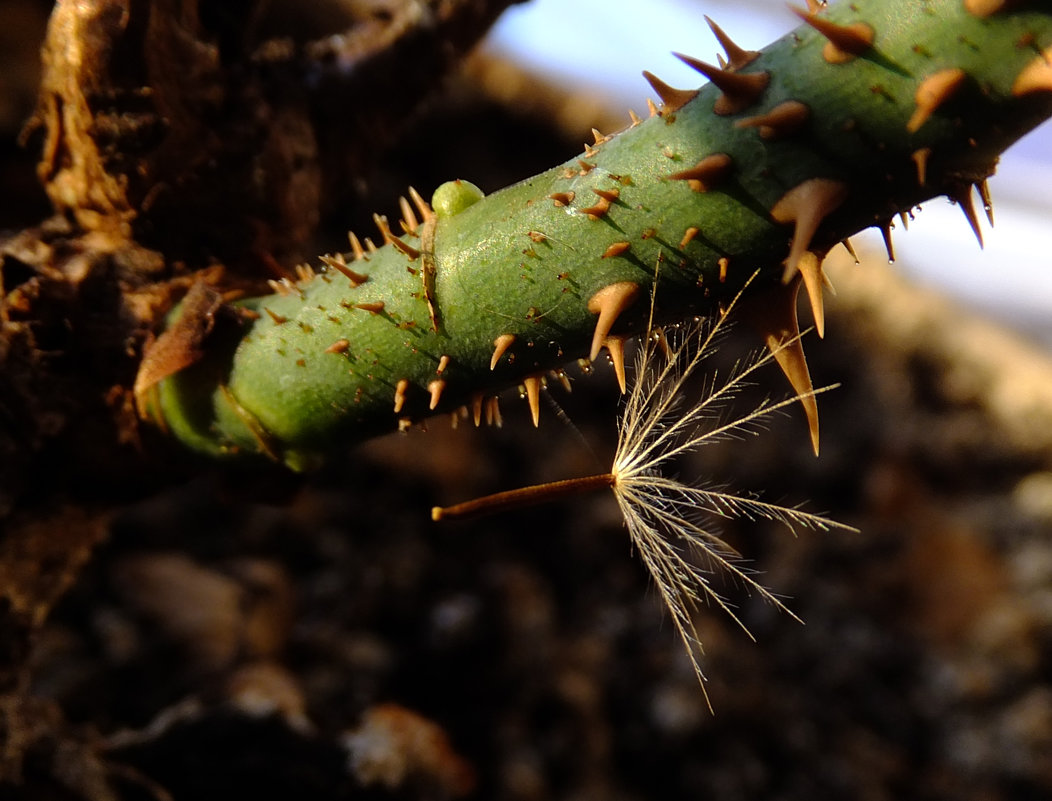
(776,161)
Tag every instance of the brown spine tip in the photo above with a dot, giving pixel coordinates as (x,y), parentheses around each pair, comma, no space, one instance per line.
(920,158)
(740,90)
(401,388)
(844,42)
(384,228)
(806,205)
(561,199)
(356,247)
(736,56)
(337,263)
(773,312)
(988,205)
(616,249)
(932,92)
(411,252)
(422,206)
(476,408)
(811,268)
(493,415)
(673,99)
(885,232)
(277,318)
(609,303)
(435,388)
(339,346)
(707,173)
(586,167)
(783,120)
(1036,76)
(409,221)
(963,198)
(633,118)
(443,364)
(846,242)
(500,346)
(983,8)
(688,236)
(615,346)
(533,396)
(374,306)
(606,198)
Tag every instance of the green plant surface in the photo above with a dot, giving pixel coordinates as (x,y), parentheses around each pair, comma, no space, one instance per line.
(863,112)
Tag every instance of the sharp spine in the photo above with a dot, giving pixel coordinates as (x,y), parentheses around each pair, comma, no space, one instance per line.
(533,396)
(740,90)
(500,347)
(844,42)
(436,388)
(609,303)
(707,174)
(932,92)
(671,98)
(736,56)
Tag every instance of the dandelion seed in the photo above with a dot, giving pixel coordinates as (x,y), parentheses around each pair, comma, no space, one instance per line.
(665,517)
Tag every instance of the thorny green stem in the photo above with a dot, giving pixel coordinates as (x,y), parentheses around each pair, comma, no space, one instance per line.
(866,110)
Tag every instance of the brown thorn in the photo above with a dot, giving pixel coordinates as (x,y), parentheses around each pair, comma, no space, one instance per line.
(277,318)
(652,109)
(476,408)
(385,230)
(740,90)
(375,306)
(920,158)
(983,8)
(561,198)
(586,167)
(409,221)
(615,346)
(493,415)
(338,264)
(932,92)
(339,346)
(370,245)
(635,120)
(411,252)
(443,363)
(616,249)
(736,56)
(846,242)
(688,235)
(724,264)
(845,42)
(422,206)
(988,204)
(773,312)
(609,303)
(708,173)
(905,220)
(500,346)
(1036,76)
(401,388)
(435,388)
(598,136)
(811,269)
(963,198)
(563,379)
(783,120)
(806,205)
(533,396)
(598,210)
(673,99)
(885,231)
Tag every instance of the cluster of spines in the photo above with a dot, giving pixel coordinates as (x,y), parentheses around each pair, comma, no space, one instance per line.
(805,207)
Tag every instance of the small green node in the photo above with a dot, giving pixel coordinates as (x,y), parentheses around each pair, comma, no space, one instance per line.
(453,197)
